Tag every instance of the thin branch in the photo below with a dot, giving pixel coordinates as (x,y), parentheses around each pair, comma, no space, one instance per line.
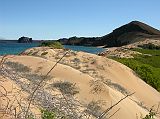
(39,84)
(107,110)
(114,113)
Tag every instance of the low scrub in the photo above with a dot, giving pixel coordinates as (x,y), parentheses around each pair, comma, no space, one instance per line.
(17,67)
(65,87)
(148,51)
(94,108)
(53,44)
(149,46)
(146,67)
(45,114)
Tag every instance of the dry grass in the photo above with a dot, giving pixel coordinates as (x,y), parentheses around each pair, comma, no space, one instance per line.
(97,86)
(67,88)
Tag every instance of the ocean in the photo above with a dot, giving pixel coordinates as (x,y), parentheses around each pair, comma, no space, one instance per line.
(16,48)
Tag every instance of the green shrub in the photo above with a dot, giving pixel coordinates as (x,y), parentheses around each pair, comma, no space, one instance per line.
(31,117)
(148,51)
(151,115)
(45,114)
(53,44)
(146,70)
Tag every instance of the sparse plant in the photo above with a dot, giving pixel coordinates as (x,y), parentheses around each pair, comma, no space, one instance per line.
(25,71)
(35,77)
(35,53)
(38,69)
(93,61)
(30,52)
(94,108)
(101,67)
(152,113)
(31,117)
(65,87)
(115,86)
(97,86)
(45,114)
(17,67)
(44,53)
(76,60)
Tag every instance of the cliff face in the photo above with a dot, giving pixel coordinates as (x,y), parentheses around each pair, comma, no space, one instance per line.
(25,40)
(130,33)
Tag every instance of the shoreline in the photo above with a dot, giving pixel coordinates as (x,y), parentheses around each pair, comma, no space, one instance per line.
(16,48)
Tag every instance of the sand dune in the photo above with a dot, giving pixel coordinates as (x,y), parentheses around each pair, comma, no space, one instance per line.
(103,68)
(85,71)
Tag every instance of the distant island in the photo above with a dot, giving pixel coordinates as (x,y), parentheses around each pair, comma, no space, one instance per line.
(130,33)
(25,40)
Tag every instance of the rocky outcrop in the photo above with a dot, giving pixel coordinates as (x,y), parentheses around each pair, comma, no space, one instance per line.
(25,40)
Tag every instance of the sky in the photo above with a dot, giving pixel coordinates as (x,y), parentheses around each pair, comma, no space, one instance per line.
(54,19)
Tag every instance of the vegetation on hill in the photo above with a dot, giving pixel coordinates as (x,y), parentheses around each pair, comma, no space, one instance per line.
(147,66)
(151,57)
(149,46)
(53,44)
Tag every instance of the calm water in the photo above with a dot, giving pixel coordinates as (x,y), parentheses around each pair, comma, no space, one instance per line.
(16,48)
(93,50)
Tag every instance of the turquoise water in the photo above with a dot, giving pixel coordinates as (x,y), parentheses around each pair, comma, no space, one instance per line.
(16,48)
(93,50)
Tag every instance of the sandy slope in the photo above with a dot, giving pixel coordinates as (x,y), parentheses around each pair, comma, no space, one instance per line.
(95,68)
(125,51)
(104,68)
(129,108)
(13,99)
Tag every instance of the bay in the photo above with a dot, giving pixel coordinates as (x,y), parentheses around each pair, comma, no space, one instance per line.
(16,48)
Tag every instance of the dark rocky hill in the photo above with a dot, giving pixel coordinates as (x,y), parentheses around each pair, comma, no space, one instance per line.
(130,33)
